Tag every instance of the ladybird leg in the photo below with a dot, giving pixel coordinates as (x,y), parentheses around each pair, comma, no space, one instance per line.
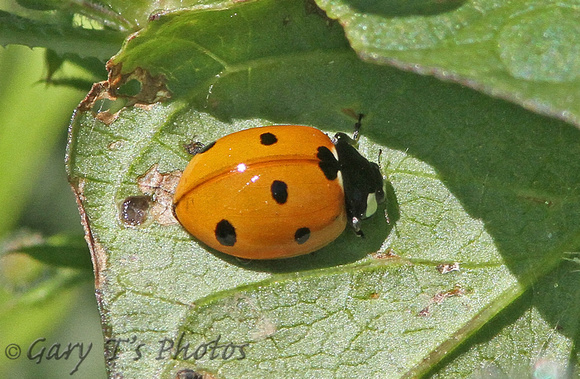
(357,126)
(193,147)
(198,147)
(355,224)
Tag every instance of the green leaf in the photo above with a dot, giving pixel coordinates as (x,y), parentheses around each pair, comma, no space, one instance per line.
(33,298)
(120,15)
(31,119)
(104,13)
(484,202)
(524,51)
(60,37)
(58,250)
(55,64)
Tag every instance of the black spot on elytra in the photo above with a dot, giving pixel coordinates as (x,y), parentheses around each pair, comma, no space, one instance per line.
(268,139)
(279,191)
(328,163)
(302,235)
(206,148)
(225,233)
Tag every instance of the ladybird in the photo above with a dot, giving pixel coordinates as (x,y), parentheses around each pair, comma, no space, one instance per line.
(277,191)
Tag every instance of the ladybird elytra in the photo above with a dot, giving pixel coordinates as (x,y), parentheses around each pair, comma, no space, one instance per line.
(269,192)
(235,151)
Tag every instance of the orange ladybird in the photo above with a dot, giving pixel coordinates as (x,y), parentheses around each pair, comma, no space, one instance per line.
(276,191)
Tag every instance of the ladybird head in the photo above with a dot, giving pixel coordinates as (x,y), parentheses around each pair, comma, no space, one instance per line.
(362,182)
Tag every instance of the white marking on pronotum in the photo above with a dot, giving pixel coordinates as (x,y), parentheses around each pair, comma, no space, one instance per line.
(371,205)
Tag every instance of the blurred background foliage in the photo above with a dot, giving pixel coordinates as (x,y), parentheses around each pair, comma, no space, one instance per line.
(38,91)
(46,281)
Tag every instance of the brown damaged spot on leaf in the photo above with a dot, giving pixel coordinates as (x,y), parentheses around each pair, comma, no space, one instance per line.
(161,188)
(134,211)
(440,297)
(99,93)
(152,90)
(446,268)
(191,374)
(385,254)
(107,117)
